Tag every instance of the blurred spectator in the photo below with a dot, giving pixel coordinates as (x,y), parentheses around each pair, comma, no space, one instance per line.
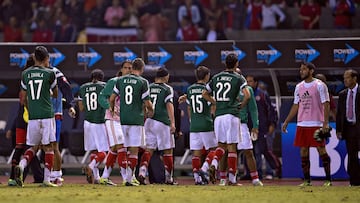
(189,8)
(89,5)
(12,31)
(10,9)
(115,12)
(32,15)
(75,10)
(254,15)
(215,12)
(271,15)
(96,14)
(310,12)
(64,30)
(187,31)
(212,32)
(152,22)
(235,12)
(42,33)
(343,12)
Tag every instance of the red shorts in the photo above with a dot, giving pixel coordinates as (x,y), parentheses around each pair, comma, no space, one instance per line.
(20,136)
(305,137)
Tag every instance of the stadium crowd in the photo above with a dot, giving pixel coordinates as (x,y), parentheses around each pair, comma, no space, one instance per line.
(66,20)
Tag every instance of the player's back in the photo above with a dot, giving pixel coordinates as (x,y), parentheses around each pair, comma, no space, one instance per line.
(226,86)
(201,120)
(160,95)
(133,90)
(38,81)
(89,92)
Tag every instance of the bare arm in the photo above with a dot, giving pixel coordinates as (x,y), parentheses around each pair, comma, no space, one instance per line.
(246,98)
(189,112)
(170,111)
(326,116)
(81,106)
(112,102)
(55,92)
(206,95)
(292,113)
(149,108)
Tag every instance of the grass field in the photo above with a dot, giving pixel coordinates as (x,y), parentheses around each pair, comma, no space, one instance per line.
(86,193)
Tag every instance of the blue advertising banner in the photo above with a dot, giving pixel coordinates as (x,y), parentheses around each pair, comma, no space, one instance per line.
(292,162)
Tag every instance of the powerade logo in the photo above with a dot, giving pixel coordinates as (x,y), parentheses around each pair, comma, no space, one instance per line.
(345,55)
(195,57)
(3,89)
(267,56)
(19,59)
(56,57)
(88,58)
(239,53)
(159,57)
(120,57)
(306,55)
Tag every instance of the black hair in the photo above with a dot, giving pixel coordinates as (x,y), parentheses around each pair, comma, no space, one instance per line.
(138,64)
(309,65)
(97,74)
(30,61)
(161,72)
(201,72)
(41,53)
(230,61)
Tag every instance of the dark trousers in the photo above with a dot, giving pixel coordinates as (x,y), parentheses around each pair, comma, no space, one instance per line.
(261,148)
(353,146)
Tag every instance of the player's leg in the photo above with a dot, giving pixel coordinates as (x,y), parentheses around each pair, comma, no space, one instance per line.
(223,169)
(326,163)
(102,145)
(151,130)
(56,174)
(89,145)
(19,150)
(233,134)
(196,146)
(48,136)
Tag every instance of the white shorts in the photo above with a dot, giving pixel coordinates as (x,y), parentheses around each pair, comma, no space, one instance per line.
(198,140)
(134,135)
(227,129)
(158,135)
(114,132)
(245,142)
(40,131)
(95,137)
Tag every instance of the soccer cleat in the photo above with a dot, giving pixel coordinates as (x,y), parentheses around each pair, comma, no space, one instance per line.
(107,181)
(212,175)
(234,184)
(257,183)
(58,181)
(171,182)
(222,182)
(125,183)
(49,184)
(19,175)
(12,182)
(134,181)
(305,183)
(327,183)
(204,176)
(141,179)
(200,183)
(89,174)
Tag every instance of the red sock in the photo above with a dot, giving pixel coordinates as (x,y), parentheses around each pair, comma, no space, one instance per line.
(168,162)
(92,156)
(232,162)
(122,159)
(100,156)
(254,175)
(49,159)
(110,159)
(210,157)
(132,161)
(196,163)
(219,152)
(29,154)
(145,159)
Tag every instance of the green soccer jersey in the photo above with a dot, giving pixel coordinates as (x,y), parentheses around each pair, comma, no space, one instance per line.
(37,82)
(251,107)
(225,87)
(201,120)
(106,93)
(89,93)
(133,91)
(160,95)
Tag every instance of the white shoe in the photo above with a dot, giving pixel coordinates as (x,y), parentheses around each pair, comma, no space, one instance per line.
(222,182)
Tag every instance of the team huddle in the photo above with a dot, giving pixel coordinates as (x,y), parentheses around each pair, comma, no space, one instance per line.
(127,113)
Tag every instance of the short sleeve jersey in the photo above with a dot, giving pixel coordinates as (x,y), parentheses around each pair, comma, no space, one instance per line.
(89,93)
(225,87)
(160,95)
(106,93)
(201,120)
(37,82)
(133,91)
(57,102)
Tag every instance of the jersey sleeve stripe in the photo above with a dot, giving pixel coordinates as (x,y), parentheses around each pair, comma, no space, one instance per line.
(23,85)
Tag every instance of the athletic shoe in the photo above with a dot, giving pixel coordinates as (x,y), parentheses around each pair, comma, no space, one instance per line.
(171,182)
(48,184)
(12,182)
(134,181)
(257,183)
(200,183)
(107,181)
(269,177)
(305,183)
(222,182)
(89,174)
(58,181)
(125,183)
(327,183)
(234,184)
(212,174)
(19,175)
(204,176)
(142,180)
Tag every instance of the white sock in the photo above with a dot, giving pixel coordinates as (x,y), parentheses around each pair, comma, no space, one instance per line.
(143,171)
(23,163)
(197,177)
(47,174)
(123,173)
(129,174)
(92,164)
(232,177)
(106,172)
(96,173)
(205,166)
(215,163)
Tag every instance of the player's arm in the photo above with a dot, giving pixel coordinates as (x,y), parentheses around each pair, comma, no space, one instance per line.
(252,107)
(182,98)
(293,111)
(246,97)
(206,95)
(149,108)
(170,111)
(112,102)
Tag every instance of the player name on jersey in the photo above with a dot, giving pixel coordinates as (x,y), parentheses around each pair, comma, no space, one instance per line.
(224,78)
(196,91)
(155,90)
(35,75)
(90,89)
(130,81)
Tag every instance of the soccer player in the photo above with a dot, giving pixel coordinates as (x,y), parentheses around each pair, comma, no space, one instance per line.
(65,91)
(95,138)
(113,128)
(201,125)
(311,104)
(225,87)
(38,83)
(160,128)
(134,97)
